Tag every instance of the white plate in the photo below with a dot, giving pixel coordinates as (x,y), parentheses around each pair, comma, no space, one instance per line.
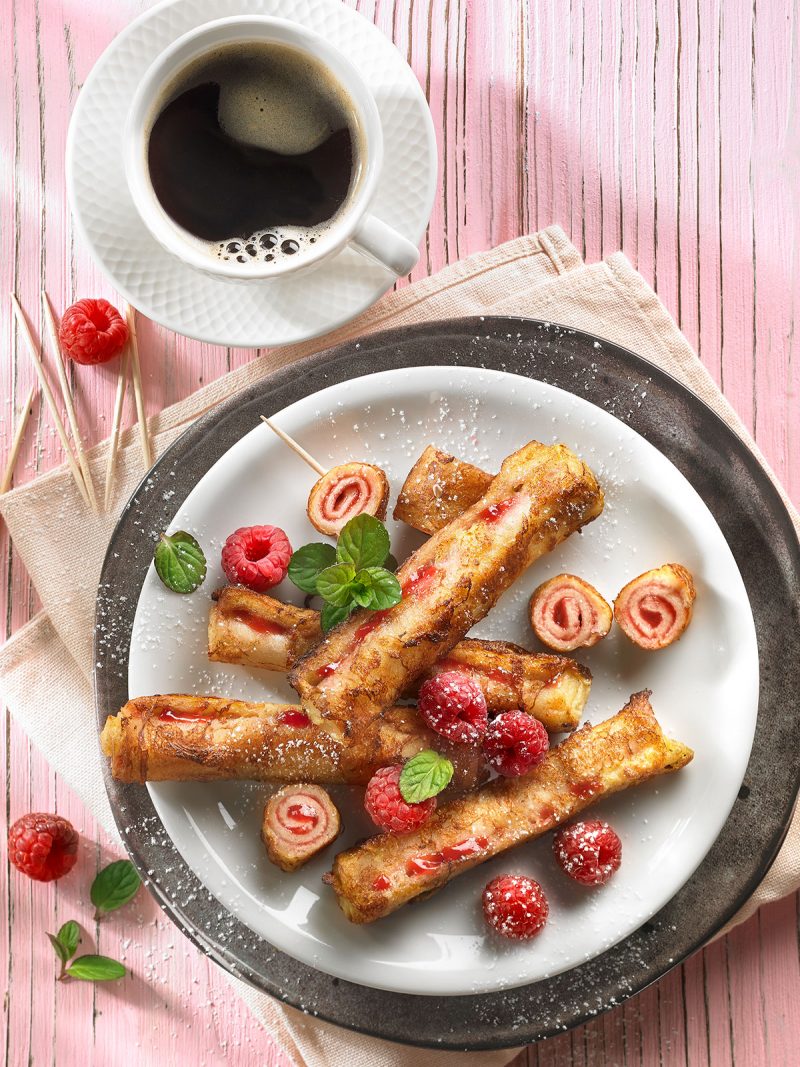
(224,312)
(705,687)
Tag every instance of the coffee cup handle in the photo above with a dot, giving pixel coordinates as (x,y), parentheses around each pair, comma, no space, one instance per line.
(380,242)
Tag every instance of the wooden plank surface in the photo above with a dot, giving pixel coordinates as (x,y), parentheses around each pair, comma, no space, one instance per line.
(668,128)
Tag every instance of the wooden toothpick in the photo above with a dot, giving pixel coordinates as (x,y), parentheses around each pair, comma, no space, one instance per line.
(16,444)
(66,395)
(113,445)
(136,378)
(47,392)
(290,441)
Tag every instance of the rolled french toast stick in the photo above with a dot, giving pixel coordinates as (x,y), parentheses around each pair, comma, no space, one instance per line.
(382,873)
(437,489)
(256,630)
(542,494)
(179,737)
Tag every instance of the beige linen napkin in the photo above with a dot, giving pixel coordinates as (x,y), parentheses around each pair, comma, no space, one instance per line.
(541,276)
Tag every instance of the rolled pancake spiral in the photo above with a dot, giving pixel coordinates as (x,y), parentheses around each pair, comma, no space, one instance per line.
(654,609)
(568,613)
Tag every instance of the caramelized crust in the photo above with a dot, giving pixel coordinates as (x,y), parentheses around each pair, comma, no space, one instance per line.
(381,874)
(182,738)
(542,494)
(273,635)
(256,630)
(438,489)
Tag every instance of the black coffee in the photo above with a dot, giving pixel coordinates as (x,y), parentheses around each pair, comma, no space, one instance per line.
(254,152)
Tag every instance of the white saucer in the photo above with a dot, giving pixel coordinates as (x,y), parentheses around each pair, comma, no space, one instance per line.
(231,313)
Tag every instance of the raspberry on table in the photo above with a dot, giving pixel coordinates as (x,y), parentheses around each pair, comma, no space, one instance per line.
(453,705)
(92,331)
(386,807)
(515,906)
(43,846)
(256,556)
(589,852)
(514,743)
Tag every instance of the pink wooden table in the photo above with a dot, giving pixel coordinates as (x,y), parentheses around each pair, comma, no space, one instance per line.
(668,129)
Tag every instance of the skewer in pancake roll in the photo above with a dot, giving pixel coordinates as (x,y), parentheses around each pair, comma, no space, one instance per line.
(384,872)
(542,494)
(180,738)
(255,630)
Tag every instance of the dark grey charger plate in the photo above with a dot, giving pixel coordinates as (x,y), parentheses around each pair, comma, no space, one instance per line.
(760,534)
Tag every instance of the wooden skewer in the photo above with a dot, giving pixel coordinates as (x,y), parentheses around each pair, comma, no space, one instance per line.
(114,442)
(290,441)
(33,350)
(16,444)
(66,395)
(136,378)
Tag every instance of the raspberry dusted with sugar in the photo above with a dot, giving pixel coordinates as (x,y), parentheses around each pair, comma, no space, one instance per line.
(386,807)
(589,852)
(453,705)
(92,331)
(514,743)
(256,556)
(515,907)
(43,846)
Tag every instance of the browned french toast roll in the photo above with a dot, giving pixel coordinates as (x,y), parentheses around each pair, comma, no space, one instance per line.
(381,874)
(542,494)
(256,630)
(189,738)
(271,635)
(438,489)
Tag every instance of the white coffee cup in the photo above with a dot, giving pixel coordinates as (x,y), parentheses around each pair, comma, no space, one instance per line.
(353,226)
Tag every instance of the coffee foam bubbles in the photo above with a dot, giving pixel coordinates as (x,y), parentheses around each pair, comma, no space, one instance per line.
(269,246)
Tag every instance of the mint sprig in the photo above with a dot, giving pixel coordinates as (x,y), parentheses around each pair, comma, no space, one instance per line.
(114,886)
(89,968)
(424,776)
(180,562)
(352,575)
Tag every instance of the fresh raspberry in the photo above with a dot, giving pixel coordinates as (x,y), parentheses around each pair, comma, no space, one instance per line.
(386,807)
(92,331)
(454,706)
(515,907)
(43,846)
(514,743)
(588,851)
(256,556)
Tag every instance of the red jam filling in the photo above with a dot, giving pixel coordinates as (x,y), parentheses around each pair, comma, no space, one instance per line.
(294,717)
(305,817)
(420,580)
(328,669)
(585,788)
(496,511)
(257,623)
(553,680)
(372,623)
(172,715)
(381,883)
(497,674)
(431,861)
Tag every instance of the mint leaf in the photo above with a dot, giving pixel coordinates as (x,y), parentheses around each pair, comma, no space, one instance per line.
(331,616)
(180,563)
(424,776)
(61,949)
(335,584)
(114,886)
(95,969)
(69,936)
(363,542)
(307,562)
(382,589)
